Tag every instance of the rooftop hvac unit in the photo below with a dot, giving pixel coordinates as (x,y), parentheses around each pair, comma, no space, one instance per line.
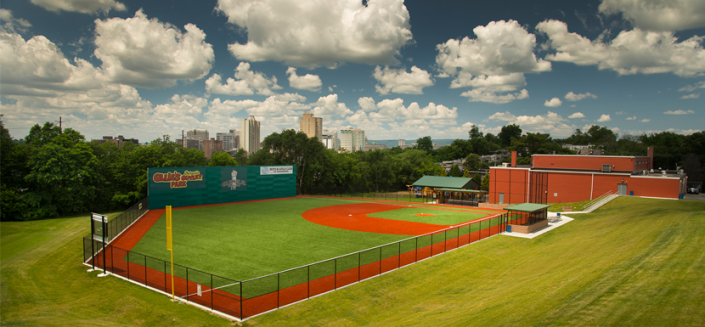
(505,164)
(606,168)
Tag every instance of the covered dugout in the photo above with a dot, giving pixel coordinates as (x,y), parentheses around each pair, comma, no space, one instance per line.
(527,217)
(451,190)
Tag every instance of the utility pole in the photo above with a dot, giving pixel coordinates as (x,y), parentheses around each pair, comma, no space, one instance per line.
(61,130)
(183,141)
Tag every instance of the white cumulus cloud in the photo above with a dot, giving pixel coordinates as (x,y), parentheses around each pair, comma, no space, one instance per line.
(307,82)
(493,63)
(246,82)
(570,96)
(658,15)
(367,104)
(630,52)
(319,33)
(645,120)
(576,115)
(38,67)
(147,53)
(555,102)
(551,122)
(631,118)
(399,81)
(691,88)
(679,112)
(81,6)
(328,106)
(691,96)
(604,118)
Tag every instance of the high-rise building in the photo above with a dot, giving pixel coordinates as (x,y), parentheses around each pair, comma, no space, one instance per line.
(311,126)
(249,135)
(228,140)
(197,134)
(330,140)
(212,146)
(402,143)
(236,140)
(352,139)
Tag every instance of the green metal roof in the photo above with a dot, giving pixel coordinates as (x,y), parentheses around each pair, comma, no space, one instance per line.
(446,182)
(527,207)
(457,190)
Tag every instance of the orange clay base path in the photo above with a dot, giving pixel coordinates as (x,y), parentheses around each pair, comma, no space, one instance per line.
(425,215)
(354,217)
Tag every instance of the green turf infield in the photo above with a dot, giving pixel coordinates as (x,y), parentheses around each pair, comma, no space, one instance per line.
(441,217)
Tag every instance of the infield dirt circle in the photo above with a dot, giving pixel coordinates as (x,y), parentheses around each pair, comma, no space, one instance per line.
(354,217)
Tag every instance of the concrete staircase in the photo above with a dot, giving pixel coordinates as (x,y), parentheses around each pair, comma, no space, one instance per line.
(600,202)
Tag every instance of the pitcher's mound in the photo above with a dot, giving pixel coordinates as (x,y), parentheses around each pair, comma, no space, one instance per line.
(425,215)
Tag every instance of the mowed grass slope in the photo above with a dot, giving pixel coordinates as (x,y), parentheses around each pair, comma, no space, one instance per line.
(637,262)
(43,283)
(634,262)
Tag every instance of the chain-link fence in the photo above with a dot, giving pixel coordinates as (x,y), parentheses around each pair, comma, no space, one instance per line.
(249,298)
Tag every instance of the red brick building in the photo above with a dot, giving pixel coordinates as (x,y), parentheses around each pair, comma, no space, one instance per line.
(573,178)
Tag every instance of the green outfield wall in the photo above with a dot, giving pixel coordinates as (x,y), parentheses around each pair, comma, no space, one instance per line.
(190,186)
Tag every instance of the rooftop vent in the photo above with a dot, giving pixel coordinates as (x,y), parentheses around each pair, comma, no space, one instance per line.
(606,168)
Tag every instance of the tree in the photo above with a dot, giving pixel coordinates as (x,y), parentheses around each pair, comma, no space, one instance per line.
(241,157)
(455,171)
(425,143)
(508,133)
(485,185)
(472,162)
(474,132)
(63,176)
(222,159)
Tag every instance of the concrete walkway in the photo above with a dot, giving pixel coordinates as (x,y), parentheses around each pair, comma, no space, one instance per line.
(551,226)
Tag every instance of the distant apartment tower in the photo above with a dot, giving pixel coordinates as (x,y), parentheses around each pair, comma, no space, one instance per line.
(249,135)
(197,134)
(230,140)
(352,139)
(330,140)
(212,146)
(311,126)
(402,143)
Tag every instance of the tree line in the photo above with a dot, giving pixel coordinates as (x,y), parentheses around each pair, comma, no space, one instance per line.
(54,172)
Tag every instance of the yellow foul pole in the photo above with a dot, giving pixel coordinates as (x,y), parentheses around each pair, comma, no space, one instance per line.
(169,246)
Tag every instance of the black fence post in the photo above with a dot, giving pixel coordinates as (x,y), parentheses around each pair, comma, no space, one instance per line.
(128,265)
(212,291)
(278,288)
(186,284)
(145,271)
(164,275)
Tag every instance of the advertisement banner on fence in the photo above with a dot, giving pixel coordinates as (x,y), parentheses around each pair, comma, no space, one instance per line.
(276,170)
(233,179)
(176,178)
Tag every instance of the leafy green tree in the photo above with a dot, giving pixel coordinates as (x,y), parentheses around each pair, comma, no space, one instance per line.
(443,172)
(466,173)
(241,157)
(425,143)
(455,171)
(221,159)
(472,162)
(63,175)
(485,185)
(509,132)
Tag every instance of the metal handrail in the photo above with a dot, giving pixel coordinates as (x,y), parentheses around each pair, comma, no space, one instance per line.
(598,199)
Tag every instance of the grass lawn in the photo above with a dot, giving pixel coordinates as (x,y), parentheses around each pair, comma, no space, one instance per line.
(441,217)
(632,262)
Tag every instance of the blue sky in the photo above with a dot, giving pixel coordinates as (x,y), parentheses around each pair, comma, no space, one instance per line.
(397,69)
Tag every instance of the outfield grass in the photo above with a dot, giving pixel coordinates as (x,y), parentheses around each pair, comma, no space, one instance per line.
(441,217)
(635,262)
(247,240)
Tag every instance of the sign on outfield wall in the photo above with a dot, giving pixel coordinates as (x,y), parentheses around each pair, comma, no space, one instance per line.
(276,170)
(233,179)
(176,178)
(193,186)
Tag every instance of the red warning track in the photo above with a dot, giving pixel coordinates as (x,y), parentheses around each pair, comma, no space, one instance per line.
(354,217)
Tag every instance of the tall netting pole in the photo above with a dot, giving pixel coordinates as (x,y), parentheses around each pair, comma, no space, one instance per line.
(170,247)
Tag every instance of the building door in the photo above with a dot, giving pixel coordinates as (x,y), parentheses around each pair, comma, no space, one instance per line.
(501,198)
(621,189)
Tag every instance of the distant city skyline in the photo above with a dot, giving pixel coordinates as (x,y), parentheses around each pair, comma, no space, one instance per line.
(396,69)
